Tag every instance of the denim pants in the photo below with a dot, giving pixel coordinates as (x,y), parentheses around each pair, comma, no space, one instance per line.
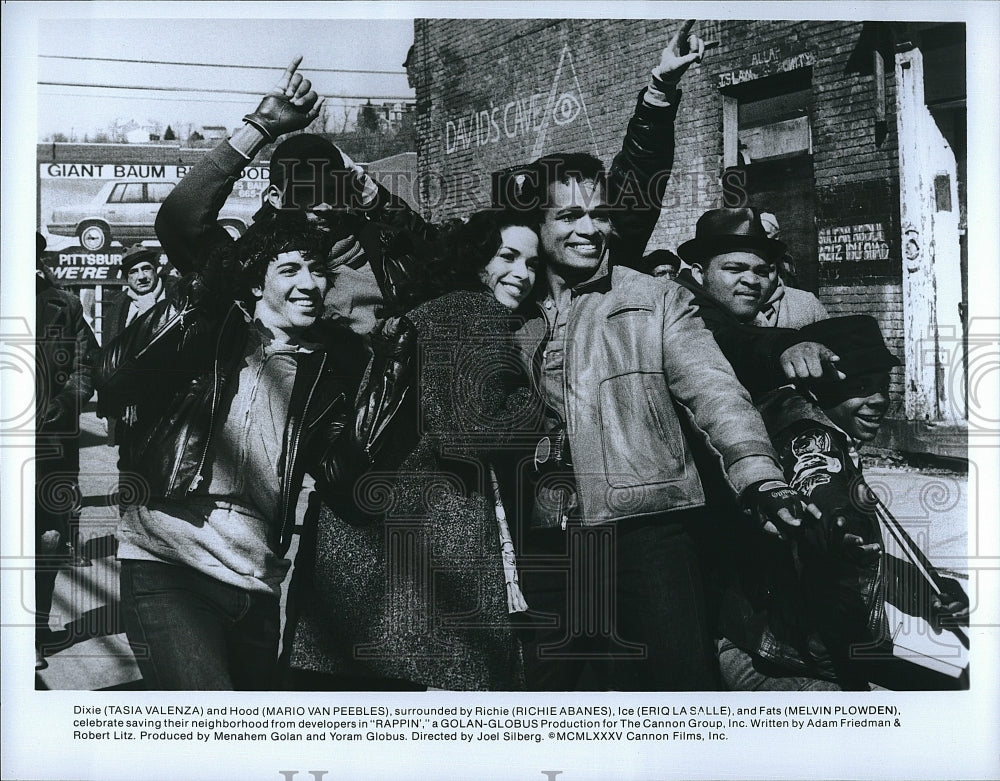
(617,606)
(743,672)
(189,631)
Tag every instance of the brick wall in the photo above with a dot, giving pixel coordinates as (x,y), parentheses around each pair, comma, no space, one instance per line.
(483,86)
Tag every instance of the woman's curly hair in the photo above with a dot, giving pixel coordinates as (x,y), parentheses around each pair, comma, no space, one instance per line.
(464,249)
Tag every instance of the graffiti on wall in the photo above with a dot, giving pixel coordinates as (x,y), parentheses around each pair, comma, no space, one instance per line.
(858,242)
(765,62)
(524,116)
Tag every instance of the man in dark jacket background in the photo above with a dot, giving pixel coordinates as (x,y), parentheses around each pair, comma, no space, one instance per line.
(143,289)
(64,382)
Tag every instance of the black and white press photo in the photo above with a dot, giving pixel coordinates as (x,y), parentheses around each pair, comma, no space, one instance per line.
(403,377)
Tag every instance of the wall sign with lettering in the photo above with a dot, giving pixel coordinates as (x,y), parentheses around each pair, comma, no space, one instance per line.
(858,242)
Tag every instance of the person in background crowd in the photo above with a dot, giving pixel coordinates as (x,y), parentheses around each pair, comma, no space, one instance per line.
(378,239)
(795,610)
(143,288)
(611,352)
(660,263)
(64,382)
(784,306)
(423,599)
(239,391)
(731,259)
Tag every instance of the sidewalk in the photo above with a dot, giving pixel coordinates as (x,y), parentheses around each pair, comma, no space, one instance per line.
(92,652)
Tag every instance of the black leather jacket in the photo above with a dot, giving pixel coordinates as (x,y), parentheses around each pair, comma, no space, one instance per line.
(173,363)
(807,613)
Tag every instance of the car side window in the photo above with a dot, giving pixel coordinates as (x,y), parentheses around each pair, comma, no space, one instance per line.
(157,192)
(117,193)
(127,192)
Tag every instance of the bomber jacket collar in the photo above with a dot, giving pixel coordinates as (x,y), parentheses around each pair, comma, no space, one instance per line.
(600,282)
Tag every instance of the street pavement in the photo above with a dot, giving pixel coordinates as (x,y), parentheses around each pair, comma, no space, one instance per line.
(90,651)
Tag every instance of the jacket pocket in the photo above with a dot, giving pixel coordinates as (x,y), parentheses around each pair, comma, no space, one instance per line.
(640,434)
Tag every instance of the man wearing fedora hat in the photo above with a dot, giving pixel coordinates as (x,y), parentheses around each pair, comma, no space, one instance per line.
(731,260)
(732,255)
(377,236)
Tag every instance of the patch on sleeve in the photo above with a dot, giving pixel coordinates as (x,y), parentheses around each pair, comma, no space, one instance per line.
(813,462)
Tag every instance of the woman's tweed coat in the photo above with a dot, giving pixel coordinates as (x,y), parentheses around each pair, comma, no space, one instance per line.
(421,596)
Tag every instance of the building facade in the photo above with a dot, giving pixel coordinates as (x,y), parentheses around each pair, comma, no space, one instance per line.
(852,133)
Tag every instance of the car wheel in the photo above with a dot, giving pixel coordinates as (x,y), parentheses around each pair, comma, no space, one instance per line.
(94,236)
(233,228)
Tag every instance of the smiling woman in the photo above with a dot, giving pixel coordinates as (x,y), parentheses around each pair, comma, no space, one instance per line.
(423,599)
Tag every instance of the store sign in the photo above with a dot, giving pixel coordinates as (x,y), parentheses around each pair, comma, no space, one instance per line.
(77,267)
(535,116)
(134,172)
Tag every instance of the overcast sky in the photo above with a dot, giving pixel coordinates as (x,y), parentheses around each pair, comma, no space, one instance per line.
(75,49)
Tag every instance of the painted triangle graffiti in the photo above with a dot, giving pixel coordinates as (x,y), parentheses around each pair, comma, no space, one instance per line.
(564,106)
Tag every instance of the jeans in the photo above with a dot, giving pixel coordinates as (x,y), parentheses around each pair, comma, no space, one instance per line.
(189,631)
(616,606)
(743,672)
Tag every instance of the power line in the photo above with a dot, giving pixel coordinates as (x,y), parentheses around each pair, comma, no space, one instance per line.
(209,90)
(151,98)
(215,65)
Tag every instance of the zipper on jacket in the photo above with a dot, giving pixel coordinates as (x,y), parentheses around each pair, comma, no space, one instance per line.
(198,476)
(567,351)
(293,451)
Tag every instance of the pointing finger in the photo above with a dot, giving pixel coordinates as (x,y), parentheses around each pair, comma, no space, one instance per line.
(681,35)
(286,77)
